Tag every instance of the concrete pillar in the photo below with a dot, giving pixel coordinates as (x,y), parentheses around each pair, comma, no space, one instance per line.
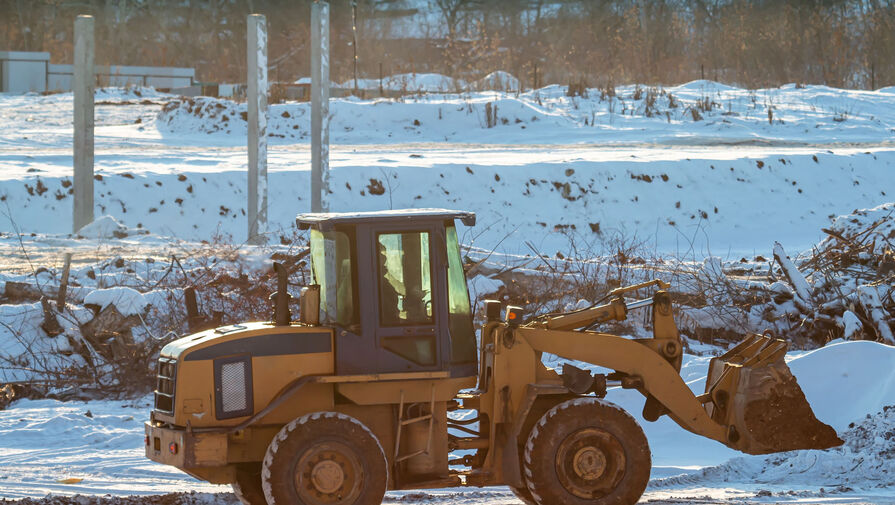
(319,106)
(82,84)
(256,53)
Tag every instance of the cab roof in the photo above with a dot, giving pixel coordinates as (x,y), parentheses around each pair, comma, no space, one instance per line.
(325,221)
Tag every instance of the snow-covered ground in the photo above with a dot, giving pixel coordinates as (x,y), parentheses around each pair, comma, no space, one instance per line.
(729,183)
(691,170)
(96,447)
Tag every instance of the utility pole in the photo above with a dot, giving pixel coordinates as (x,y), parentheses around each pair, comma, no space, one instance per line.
(83,83)
(354,43)
(319,106)
(256,54)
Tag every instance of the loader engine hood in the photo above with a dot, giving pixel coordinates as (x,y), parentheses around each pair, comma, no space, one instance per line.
(209,376)
(255,339)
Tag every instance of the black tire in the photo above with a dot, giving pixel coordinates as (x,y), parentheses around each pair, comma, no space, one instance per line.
(587,451)
(540,407)
(324,458)
(247,487)
(524,495)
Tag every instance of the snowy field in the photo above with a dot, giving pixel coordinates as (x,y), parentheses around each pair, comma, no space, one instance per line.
(730,183)
(694,170)
(96,447)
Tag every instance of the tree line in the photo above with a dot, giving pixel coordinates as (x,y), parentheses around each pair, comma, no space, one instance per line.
(751,43)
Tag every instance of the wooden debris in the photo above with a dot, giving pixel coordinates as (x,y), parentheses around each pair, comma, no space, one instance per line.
(50,324)
(852,327)
(7,394)
(63,285)
(868,297)
(18,292)
(109,332)
(796,279)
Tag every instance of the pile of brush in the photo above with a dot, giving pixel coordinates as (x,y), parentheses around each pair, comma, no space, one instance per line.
(843,288)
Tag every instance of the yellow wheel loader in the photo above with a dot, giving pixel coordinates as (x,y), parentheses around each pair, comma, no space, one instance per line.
(382,385)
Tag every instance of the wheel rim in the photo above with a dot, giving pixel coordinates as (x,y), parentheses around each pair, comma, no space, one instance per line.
(329,473)
(590,463)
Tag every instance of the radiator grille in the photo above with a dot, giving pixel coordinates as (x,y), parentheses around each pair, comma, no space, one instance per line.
(164,391)
(233,387)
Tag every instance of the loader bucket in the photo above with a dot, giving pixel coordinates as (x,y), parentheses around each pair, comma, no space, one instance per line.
(756,396)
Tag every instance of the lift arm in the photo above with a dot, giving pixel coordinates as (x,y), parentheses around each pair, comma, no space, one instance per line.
(615,310)
(660,379)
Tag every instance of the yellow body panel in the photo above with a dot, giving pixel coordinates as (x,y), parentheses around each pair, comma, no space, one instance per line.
(211,455)
(375,393)
(195,396)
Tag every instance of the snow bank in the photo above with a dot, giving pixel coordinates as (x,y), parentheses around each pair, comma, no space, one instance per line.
(701,193)
(883,216)
(307,81)
(844,382)
(480,286)
(731,174)
(867,459)
(104,227)
(411,83)
(128,95)
(700,113)
(128,301)
(27,352)
(497,81)
(203,114)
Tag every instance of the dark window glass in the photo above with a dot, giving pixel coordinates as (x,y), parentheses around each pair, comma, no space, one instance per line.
(331,268)
(419,349)
(460,316)
(405,279)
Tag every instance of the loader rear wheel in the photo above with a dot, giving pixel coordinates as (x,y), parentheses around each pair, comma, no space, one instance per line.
(247,487)
(587,451)
(324,458)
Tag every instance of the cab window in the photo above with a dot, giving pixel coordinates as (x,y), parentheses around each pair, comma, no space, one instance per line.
(405,279)
(332,269)
(460,315)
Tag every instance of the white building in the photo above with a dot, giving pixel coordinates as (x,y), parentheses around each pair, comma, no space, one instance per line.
(21,72)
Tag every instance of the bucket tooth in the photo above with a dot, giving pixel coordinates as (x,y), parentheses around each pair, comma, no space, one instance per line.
(755,395)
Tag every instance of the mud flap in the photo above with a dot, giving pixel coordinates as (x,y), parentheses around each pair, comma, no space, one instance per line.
(751,390)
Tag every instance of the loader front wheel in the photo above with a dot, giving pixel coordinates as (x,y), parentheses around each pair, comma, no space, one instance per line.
(324,458)
(524,495)
(587,451)
(247,487)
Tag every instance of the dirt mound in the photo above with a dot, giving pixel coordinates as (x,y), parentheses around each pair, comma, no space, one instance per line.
(203,114)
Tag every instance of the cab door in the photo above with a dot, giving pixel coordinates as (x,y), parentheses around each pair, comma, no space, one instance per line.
(408,280)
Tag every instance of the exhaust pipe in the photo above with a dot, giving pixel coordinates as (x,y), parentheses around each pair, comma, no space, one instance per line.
(281,314)
(194,320)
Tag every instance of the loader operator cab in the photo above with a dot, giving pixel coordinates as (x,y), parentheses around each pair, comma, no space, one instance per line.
(392,286)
